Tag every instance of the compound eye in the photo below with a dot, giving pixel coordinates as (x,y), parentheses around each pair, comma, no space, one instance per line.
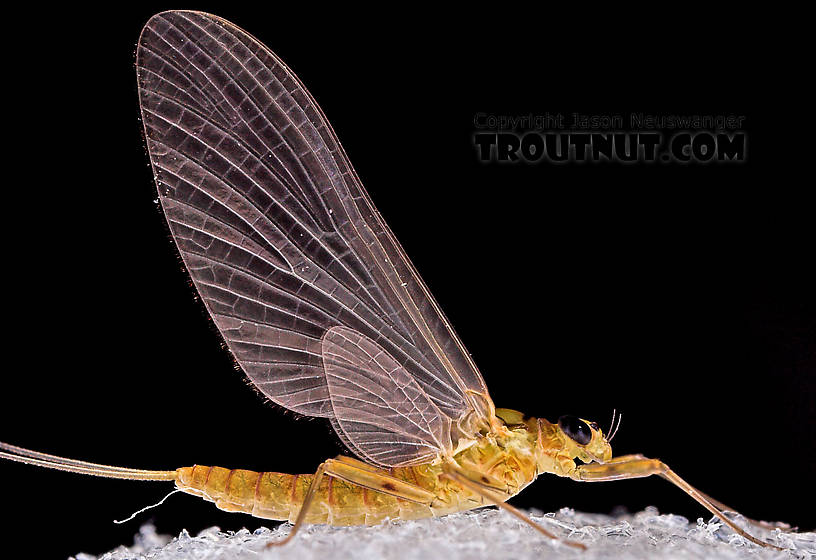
(576,429)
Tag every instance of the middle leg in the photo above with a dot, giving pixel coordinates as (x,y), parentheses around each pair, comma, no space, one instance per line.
(359,474)
(452,472)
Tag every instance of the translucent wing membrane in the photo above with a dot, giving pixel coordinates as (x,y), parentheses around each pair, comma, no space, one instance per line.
(381,411)
(285,247)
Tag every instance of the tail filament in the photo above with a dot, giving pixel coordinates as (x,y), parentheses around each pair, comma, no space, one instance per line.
(39,459)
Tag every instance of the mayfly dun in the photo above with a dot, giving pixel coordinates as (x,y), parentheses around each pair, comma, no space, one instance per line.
(322,309)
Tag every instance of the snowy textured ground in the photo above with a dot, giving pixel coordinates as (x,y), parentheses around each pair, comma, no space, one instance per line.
(488,534)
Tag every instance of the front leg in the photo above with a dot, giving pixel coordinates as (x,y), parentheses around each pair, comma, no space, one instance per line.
(618,468)
(638,466)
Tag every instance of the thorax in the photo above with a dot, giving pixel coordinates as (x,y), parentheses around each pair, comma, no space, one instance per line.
(502,461)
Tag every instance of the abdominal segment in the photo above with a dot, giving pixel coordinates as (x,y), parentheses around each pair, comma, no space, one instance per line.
(279,496)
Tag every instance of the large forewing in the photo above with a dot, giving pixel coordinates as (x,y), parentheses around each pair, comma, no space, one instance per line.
(279,237)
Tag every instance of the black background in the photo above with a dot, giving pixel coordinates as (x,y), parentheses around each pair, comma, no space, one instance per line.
(680,295)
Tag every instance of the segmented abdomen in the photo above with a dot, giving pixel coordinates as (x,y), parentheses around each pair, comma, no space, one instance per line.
(279,496)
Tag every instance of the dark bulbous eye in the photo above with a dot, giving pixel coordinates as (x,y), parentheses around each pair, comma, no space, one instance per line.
(576,429)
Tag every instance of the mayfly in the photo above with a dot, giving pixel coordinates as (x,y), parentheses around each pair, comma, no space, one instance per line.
(322,309)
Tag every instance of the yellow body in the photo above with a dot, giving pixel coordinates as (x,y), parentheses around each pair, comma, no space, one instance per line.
(498,463)
(506,462)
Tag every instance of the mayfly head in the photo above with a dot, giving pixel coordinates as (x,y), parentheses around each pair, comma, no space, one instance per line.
(584,439)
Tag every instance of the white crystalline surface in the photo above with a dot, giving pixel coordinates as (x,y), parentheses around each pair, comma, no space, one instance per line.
(487,533)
